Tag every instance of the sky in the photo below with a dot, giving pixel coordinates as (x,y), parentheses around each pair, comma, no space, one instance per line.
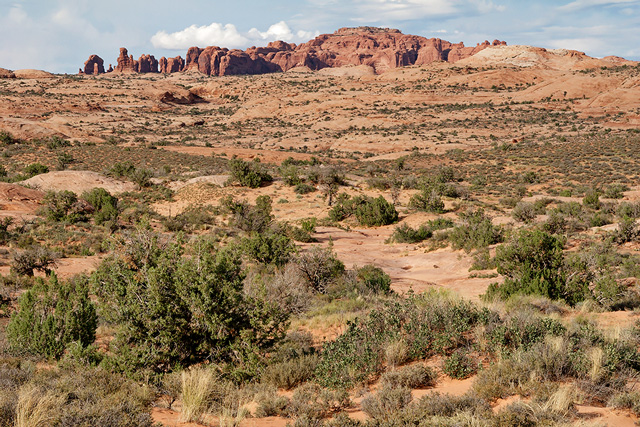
(59,35)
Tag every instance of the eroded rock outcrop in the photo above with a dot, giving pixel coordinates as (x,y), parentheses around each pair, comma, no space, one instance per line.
(379,48)
(93,66)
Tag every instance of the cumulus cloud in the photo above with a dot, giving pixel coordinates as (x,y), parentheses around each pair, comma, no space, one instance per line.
(227,36)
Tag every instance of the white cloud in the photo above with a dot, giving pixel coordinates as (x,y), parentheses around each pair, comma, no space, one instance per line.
(577,5)
(227,36)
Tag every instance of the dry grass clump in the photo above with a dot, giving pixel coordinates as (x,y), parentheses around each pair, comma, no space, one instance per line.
(197,386)
(412,376)
(37,407)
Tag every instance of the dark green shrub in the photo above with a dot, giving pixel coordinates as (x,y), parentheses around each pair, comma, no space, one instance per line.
(172,310)
(627,231)
(52,315)
(475,232)
(459,366)
(304,188)
(631,210)
(35,169)
(374,280)
(525,212)
(249,218)
(270,247)
(248,174)
(615,191)
(592,199)
(63,206)
(405,234)
(7,139)
(105,206)
(428,200)
(290,175)
(5,234)
(532,264)
(376,212)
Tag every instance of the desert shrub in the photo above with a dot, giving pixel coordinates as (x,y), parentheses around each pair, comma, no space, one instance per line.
(627,231)
(33,258)
(50,316)
(501,379)
(475,232)
(313,402)
(429,324)
(627,400)
(592,199)
(446,405)
(170,310)
(290,175)
(428,201)
(270,248)
(405,234)
(376,212)
(5,234)
(97,398)
(459,365)
(631,210)
(34,169)
(533,264)
(249,218)
(525,212)
(370,212)
(555,223)
(412,376)
(271,404)
(197,386)
(521,332)
(374,280)
(248,174)
(63,206)
(319,267)
(615,191)
(282,289)
(122,170)
(290,373)
(7,139)
(304,188)
(386,402)
(105,206)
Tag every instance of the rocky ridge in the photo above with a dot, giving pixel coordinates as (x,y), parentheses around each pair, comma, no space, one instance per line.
(380,48)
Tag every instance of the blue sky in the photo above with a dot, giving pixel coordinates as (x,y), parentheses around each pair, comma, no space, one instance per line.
(59,35)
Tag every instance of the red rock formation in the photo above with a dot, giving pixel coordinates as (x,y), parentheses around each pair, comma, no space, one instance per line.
(171,65)
(94,65)
(380,48)
(126,63)
(147,64)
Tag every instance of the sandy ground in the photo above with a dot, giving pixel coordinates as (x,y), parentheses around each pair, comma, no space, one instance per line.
(78,182)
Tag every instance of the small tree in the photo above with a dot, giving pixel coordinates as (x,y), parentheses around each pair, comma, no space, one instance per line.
(248,174)
(104,204)
(34,258)
(62,206)
(52,315)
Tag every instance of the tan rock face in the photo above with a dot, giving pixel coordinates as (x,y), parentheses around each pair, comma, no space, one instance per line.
(380,48)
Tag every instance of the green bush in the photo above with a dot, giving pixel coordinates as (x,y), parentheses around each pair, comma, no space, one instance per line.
(304,188)
(63,206)
(405,234)
(249,218)
(270,247)
(459,366)
(475,232)
(174,311)
(248,174)
(533,264)
(428,200)
(370,212)
(592,199)
(376,212)
(374,280)
(105,206)
(51,316)
(34,169)
(627,231)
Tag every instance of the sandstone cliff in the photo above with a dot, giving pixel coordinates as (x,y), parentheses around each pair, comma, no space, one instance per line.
(380,48)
